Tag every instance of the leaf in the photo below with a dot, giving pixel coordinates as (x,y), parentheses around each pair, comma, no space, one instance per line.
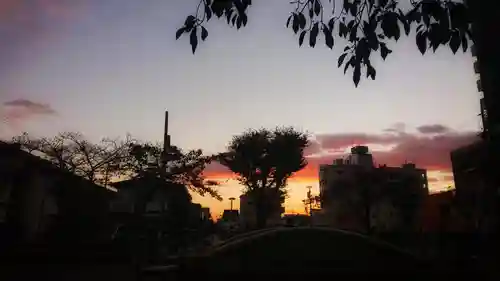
(331,24)
(350,24)
(313,35)
(208,12)
(353,35)
(421,40)
(373,42)
(342,29)
(204,33)
(349,62)
(426,18)
(229,13)
(244,19)
(301,37)
(455,42)
(390,25)
(328,37)
(295,23)
(371,72)
(406,26)
(465,44)
(179,32)
(341,59)
(356,75)
(238,22)
(317,7)
(363,51)
(288,20)
(397,32)
(384,51)
(189,22)
(193,40)
(302,21)
(311,13)
(354,9)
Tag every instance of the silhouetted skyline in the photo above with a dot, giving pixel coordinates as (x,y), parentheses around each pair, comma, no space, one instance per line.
(108,68)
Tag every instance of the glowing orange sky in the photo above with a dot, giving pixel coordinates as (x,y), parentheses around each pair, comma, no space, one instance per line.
(297,190)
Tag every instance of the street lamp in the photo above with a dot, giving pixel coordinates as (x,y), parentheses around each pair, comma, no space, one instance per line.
(232,199)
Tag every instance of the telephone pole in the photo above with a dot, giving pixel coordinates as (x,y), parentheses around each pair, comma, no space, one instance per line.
(166,140)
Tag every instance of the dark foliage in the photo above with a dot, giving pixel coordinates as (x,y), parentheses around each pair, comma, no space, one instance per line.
(366,26)
(263,161)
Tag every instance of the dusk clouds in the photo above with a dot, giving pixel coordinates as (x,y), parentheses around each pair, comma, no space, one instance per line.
(17,111)
(428,147)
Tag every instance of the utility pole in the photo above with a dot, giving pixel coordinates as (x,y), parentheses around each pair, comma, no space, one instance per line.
(232,199)
(166,140)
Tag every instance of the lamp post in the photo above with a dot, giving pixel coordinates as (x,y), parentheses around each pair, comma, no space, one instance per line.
(232,199)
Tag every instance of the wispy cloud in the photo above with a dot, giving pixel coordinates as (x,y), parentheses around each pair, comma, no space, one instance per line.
(17,111)
(433,129)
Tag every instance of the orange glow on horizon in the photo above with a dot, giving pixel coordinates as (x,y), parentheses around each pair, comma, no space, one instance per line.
(309,176)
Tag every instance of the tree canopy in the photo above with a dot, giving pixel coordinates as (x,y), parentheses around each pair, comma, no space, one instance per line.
(263,161)
(113,159)
(364,27)
(147,161)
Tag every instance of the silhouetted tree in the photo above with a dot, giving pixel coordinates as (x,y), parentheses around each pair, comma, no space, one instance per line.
(147,161)
(172,172)
(70,151)
(263,161)
(366,26)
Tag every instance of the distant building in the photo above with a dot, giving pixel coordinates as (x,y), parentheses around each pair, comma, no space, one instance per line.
(230,220)
(296,220)
(230,215)
(351,185)
(39,201)
(163,207)
(205,214)
(440,213)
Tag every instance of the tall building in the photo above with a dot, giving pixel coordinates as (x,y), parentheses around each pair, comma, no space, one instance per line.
(484,27)
(475,179)
(352,189)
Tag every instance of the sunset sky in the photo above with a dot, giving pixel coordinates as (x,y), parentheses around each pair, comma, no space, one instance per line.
(111,67)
